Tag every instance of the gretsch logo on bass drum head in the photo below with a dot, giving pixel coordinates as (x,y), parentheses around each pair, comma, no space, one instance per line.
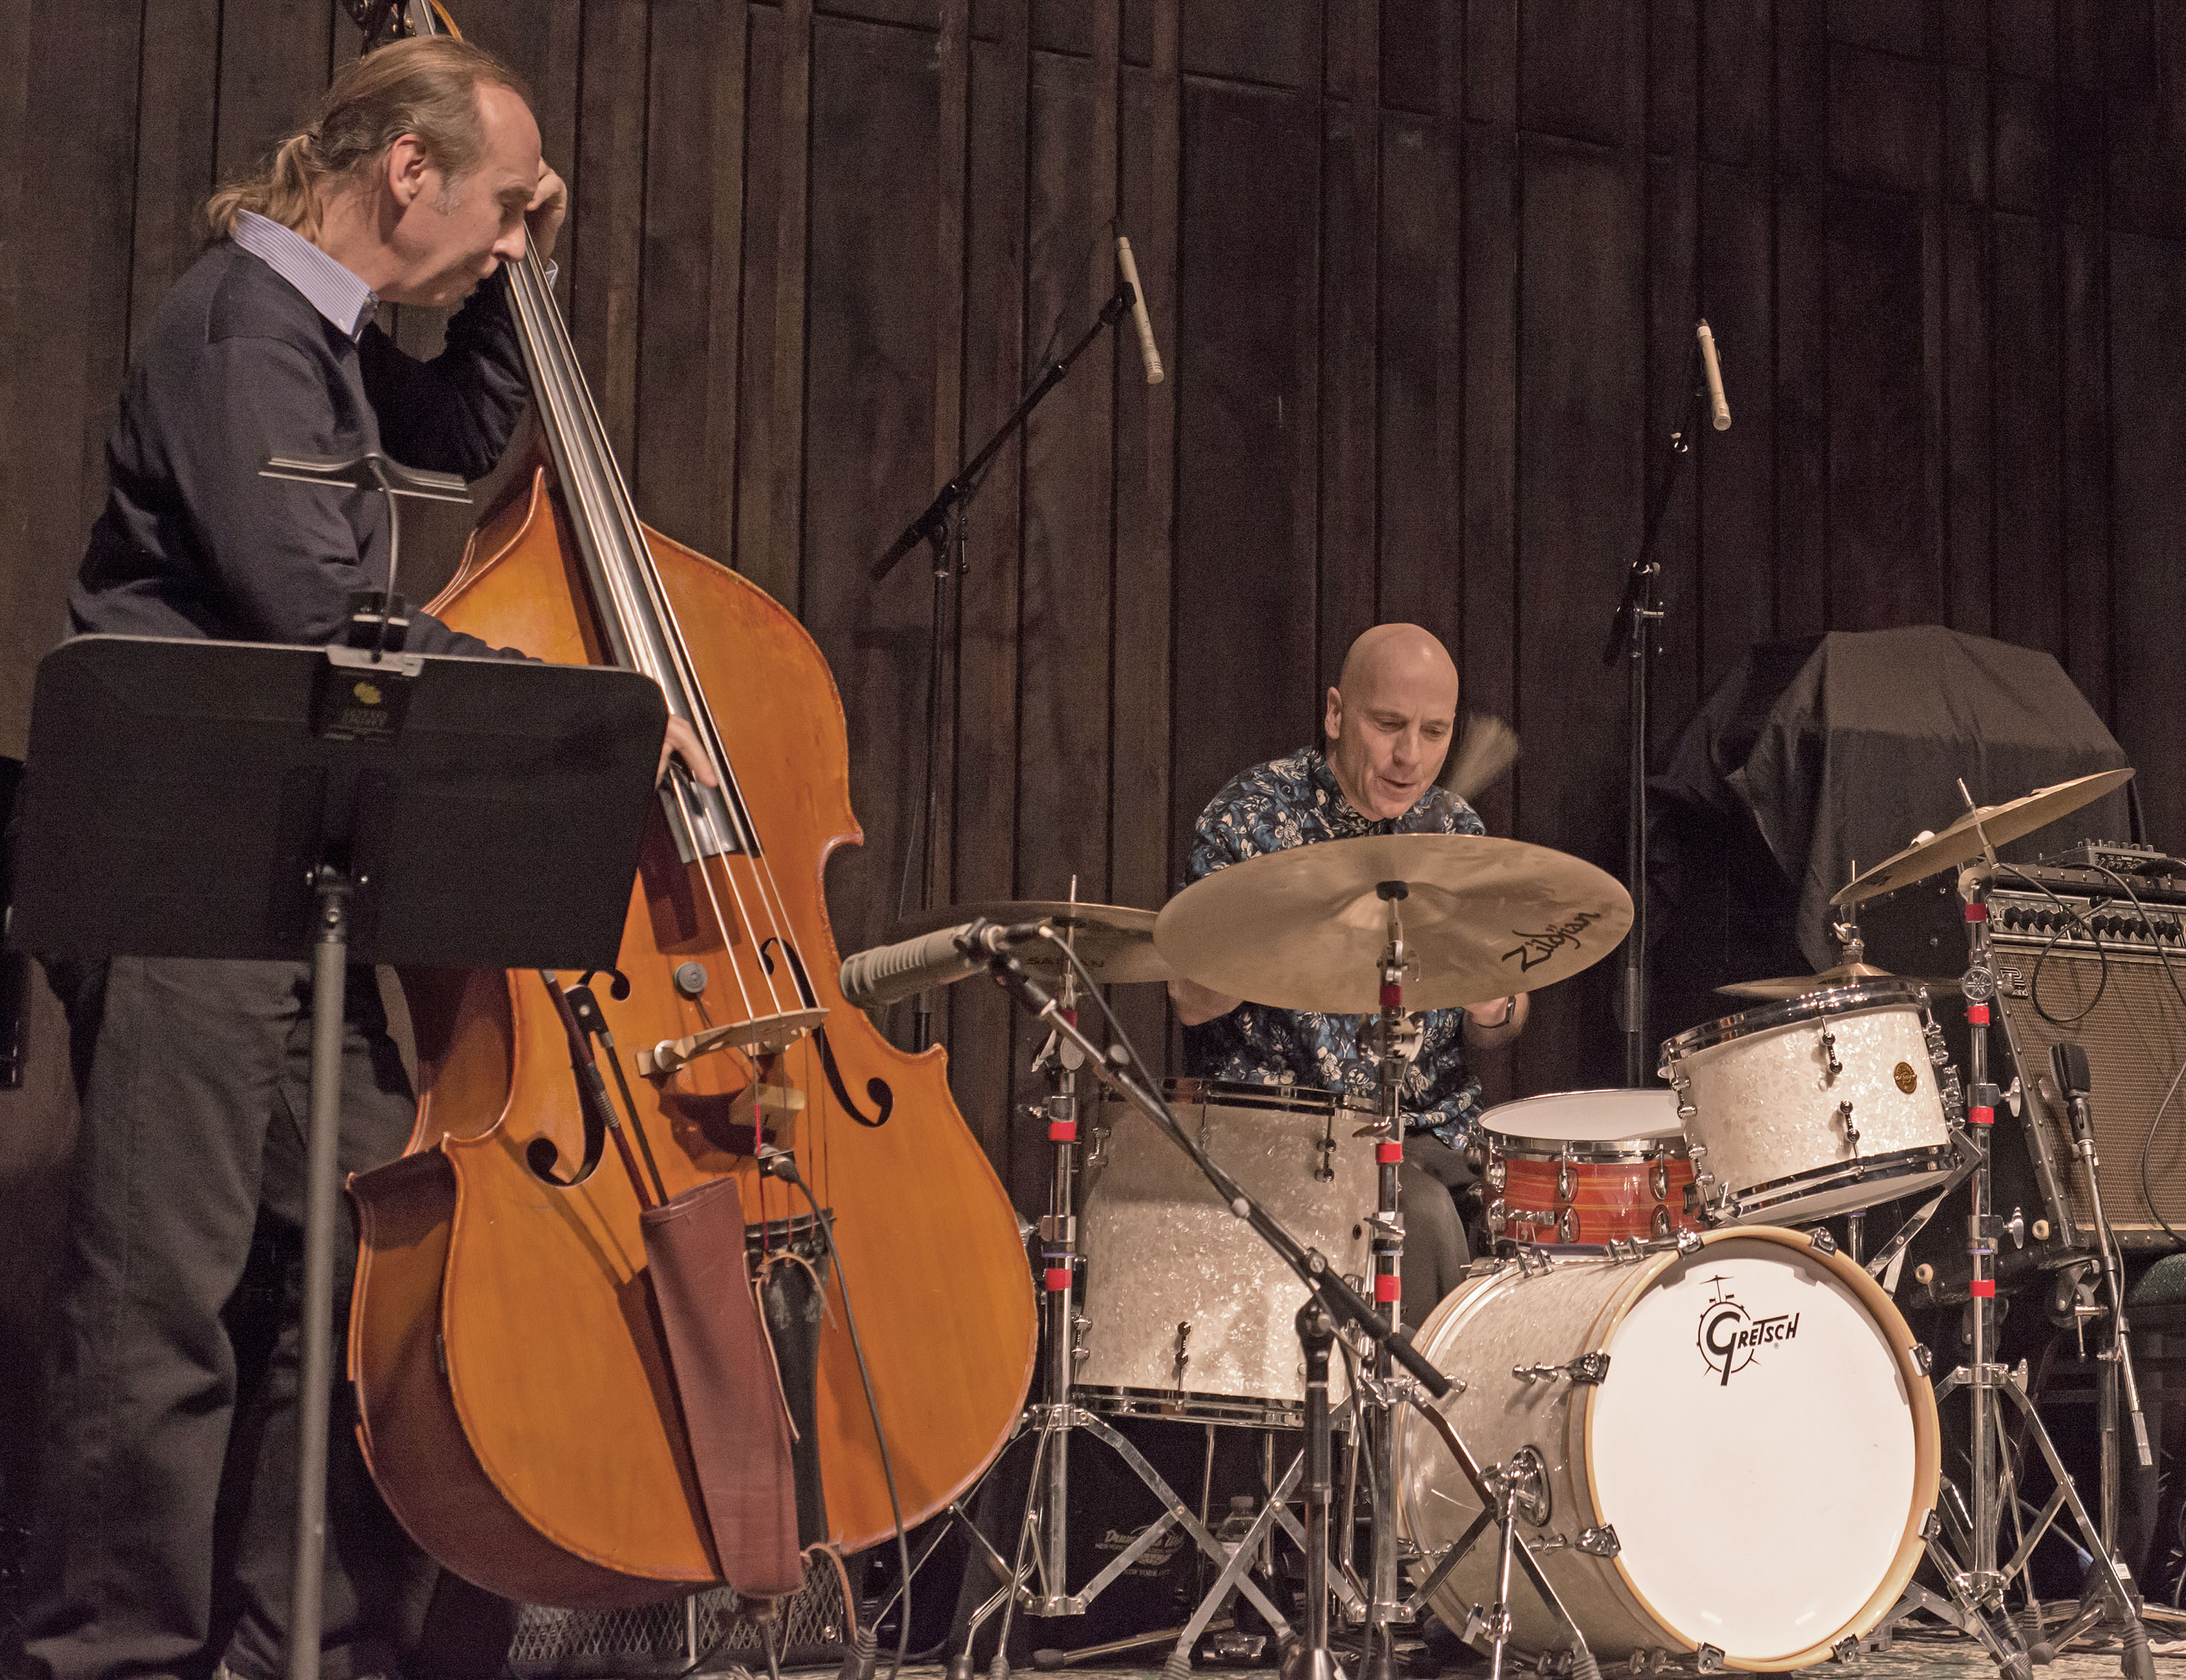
(1730,1336)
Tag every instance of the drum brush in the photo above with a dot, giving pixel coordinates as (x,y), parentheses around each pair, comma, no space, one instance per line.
(1486,749)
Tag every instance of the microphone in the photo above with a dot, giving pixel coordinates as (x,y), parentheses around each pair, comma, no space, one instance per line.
(1147,353)
(887,974)
(2068,1067)
(1716,402)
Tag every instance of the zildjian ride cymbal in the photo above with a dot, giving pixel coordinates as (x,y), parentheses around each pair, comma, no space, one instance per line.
(1115,941)
(1305,928)
(1961,843)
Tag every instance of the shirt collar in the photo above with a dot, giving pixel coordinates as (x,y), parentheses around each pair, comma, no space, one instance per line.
(328,286)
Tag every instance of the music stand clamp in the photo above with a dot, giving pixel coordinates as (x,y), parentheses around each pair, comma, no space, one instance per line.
(201,799)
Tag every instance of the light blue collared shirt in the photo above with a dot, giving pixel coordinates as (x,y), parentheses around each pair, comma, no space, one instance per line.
(326,284)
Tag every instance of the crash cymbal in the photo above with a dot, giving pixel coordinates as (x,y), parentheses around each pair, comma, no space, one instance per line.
(1961,843)
(1798,985)
(1304,928)
(1115,941)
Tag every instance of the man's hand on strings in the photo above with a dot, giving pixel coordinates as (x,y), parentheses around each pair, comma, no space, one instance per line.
(543,216)
(681,741)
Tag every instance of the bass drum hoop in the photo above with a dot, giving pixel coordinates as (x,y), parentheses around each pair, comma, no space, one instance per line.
(1927,1448)
(1857,998)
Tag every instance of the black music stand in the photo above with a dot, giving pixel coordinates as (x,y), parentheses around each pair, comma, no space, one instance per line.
(191,799)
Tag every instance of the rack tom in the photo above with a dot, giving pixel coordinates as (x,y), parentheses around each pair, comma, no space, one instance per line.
(1585,1168)
(1817,1105)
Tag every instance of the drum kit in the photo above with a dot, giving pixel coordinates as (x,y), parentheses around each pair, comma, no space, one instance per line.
(1670,1400)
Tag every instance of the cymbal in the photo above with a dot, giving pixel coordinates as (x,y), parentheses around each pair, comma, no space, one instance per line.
(1960,844)
(1304,928)
(1115,941)
(1798,985)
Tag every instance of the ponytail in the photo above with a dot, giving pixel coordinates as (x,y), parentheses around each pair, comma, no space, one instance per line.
(427,86)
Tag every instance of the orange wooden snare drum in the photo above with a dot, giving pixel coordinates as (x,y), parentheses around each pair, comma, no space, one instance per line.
(1586,1167)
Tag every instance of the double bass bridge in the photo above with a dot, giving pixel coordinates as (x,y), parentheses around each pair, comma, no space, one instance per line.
(763,1035)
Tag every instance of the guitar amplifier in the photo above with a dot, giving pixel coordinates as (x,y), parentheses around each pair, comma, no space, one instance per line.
(2075,959)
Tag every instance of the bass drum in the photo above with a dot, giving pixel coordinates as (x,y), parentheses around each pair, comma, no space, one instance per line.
(1762,1449)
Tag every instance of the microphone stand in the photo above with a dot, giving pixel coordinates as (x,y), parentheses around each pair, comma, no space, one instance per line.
(1332,1305)
(941,526)
(1633,632)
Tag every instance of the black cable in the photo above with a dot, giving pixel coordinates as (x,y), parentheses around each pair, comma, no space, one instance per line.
(2034,979)
(780,1164)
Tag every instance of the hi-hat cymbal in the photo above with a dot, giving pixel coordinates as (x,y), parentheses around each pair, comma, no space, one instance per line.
(1798,985)
(1961,843)
(1115,941)
(1304,928)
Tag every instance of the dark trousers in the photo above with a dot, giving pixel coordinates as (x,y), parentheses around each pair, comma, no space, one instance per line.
(169,1469)
(1436,1253)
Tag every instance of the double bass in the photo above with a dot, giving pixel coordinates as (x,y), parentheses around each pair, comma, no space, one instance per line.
(515,1401)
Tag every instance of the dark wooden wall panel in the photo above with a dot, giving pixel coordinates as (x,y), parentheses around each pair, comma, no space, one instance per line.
(1246,579)
(1424,274)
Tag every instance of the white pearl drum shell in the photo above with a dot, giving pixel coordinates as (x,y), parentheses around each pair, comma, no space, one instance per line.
(1163,1250)
(1770,1511)
(1766,1109)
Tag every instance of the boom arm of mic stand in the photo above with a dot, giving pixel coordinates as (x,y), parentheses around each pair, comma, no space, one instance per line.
(1344,1304)
(931,525)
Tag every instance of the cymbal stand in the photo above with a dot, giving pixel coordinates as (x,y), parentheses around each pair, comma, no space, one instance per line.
(1396,1041)
(1976,1580)
(1120,1071)
(1036,1577)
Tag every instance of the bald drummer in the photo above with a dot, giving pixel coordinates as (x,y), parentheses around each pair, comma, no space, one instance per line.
(1388,727)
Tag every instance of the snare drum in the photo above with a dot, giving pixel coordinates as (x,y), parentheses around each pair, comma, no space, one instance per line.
(1192,1314)
(1816,1105)
(1747,1469)
(1585,1166)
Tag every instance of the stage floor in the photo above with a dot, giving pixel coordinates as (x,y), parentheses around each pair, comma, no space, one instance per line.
(1924,1656)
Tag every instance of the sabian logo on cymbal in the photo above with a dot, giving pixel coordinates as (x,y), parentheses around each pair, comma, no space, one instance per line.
(1533,948)
(1730,1336)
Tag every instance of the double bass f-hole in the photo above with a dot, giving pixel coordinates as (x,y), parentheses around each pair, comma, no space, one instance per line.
(877,1090)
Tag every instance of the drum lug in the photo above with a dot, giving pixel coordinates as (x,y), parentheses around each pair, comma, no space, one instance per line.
(1708,1659)
(1565,1182)
(1602,1543)
(1587,1368)
(1658,1178)
(1923,1361)
(1819,1239)
(1495,1175)
(1846,1648)
(1850,1132)
(1690,1242)
(1828,1041)
(1567,1226)
(1661,1224)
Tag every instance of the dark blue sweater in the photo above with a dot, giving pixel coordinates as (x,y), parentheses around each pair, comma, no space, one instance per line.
(238,366)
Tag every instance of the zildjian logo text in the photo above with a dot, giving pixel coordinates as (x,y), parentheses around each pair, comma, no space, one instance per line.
(1533,948)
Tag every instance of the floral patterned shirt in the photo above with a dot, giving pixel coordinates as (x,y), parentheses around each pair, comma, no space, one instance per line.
(1295,801)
